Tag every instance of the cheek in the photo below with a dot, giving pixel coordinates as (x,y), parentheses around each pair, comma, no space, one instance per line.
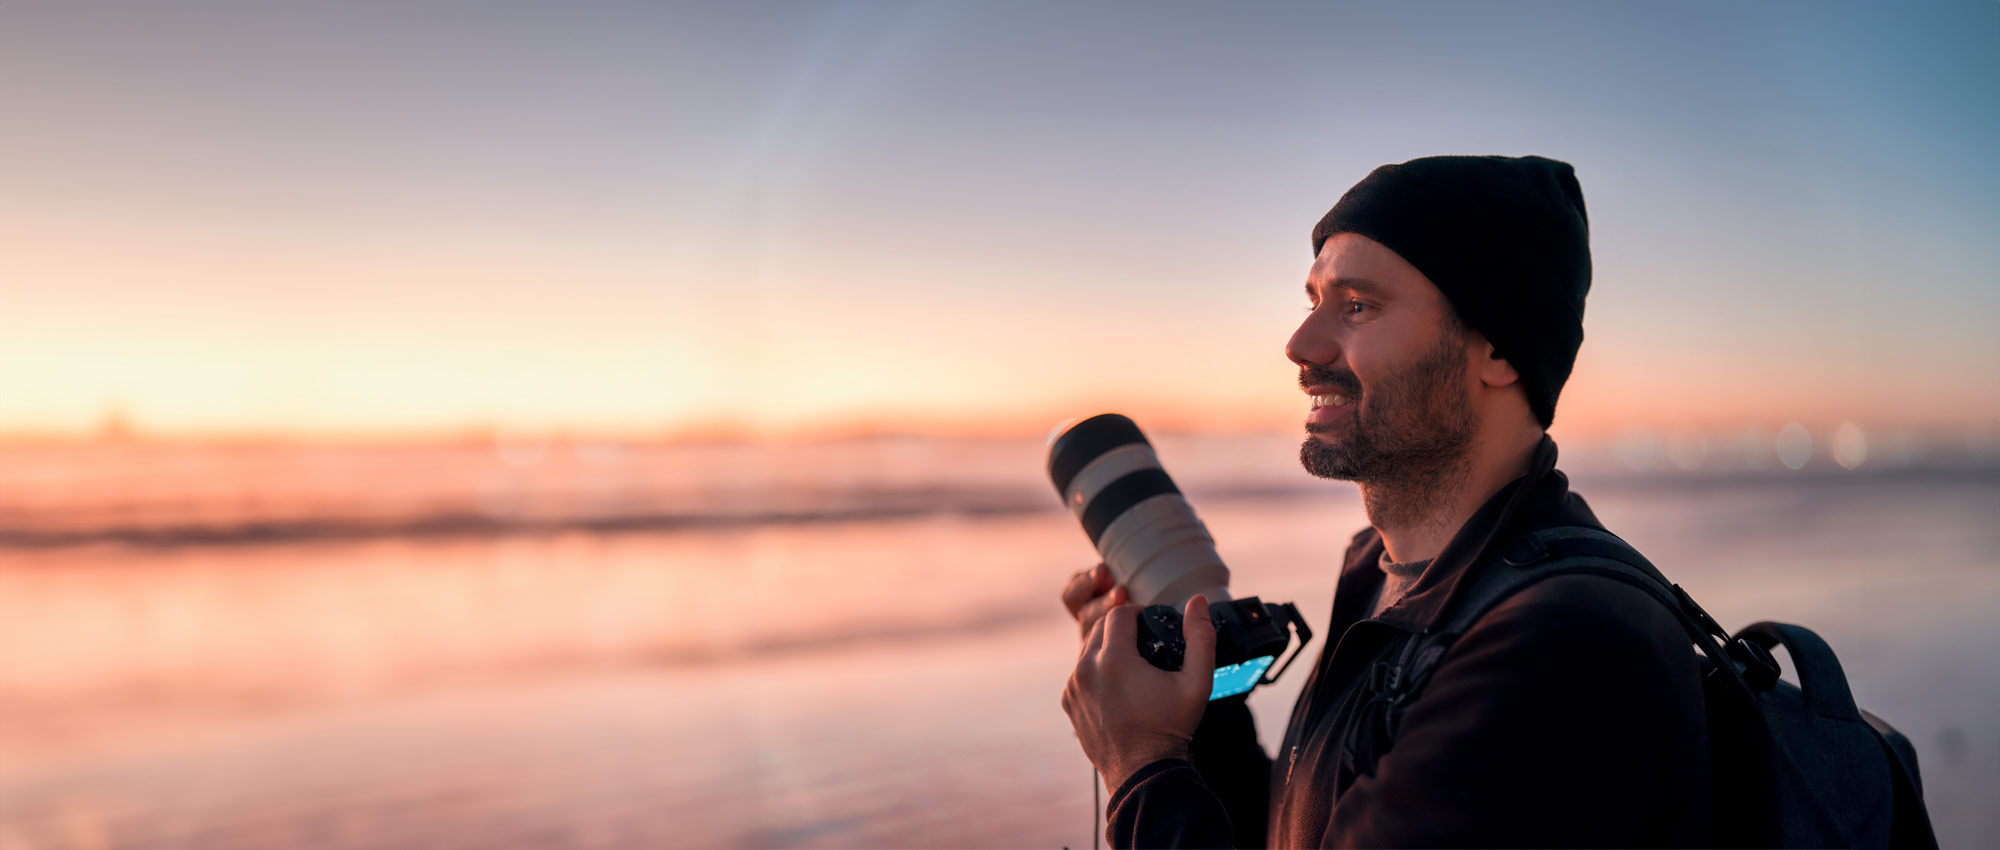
(1368,369)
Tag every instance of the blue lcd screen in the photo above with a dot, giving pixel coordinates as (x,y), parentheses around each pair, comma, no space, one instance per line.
(1234,679)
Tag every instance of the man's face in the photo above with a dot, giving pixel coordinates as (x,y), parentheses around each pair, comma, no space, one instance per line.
(1385,364)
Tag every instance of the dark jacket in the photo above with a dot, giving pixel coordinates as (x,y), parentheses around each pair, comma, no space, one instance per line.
(1570,715)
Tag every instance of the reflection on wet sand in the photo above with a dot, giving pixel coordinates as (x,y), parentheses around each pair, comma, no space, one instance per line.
(889,681)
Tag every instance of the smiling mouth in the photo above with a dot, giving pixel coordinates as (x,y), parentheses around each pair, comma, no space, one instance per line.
(1329,400)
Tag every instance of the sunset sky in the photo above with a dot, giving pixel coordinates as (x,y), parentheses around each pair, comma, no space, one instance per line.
(805,219)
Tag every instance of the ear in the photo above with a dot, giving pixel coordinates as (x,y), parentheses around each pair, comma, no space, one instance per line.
(1492,369)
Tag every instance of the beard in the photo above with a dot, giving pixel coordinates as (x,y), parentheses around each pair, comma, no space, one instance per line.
(1412,431)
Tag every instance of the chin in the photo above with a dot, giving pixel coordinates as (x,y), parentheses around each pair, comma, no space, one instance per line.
(1323,459)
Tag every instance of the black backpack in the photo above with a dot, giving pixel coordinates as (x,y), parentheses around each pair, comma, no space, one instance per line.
(1793,766)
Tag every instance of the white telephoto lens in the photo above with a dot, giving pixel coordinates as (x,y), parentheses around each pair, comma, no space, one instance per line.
(1111,480)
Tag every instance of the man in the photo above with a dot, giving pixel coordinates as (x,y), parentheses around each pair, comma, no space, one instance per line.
(1446,310)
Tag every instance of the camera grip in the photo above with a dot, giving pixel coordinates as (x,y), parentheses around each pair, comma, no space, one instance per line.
(1160,639)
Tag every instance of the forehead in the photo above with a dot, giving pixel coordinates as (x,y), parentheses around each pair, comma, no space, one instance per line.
(1354,261)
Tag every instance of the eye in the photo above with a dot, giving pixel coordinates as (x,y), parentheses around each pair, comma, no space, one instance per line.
(1354,307)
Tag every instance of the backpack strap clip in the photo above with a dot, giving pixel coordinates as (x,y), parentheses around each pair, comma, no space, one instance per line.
(1760,667)
(1386,679)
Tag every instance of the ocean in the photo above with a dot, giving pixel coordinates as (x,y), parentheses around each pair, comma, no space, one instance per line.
(567,643)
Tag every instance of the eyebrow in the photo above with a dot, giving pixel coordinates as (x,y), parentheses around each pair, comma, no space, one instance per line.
(1363,286)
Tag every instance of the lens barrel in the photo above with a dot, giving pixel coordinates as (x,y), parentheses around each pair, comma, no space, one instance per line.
(1111,480)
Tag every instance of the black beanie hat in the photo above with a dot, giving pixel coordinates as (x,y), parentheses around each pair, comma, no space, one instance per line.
(1504,238)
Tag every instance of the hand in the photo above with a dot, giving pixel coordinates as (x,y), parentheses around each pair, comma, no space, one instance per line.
(1128,713)
(1089,594)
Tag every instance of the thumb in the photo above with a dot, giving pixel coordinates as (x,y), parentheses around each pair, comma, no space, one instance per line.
(1200,633)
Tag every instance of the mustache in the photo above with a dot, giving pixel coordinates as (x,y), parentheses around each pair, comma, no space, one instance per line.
(1340,379)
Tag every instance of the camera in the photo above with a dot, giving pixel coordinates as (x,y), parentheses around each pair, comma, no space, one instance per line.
(1111,480)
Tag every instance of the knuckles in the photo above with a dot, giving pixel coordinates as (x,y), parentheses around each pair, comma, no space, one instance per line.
(1125,613)
(1085,675)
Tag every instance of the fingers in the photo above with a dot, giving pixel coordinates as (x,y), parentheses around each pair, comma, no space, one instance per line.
(1093,638)
(1121,631)
(1095,608)
(1200,634)
(1084,586)
(1086,672)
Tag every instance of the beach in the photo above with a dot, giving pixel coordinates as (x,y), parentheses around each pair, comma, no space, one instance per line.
(854,647)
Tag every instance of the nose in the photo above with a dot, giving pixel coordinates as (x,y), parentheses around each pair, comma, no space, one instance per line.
(1312,343)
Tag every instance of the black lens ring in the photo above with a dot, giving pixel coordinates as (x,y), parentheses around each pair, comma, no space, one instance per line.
(1119,496)
(1086,441)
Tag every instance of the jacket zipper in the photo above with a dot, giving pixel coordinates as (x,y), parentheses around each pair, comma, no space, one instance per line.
(1319,684)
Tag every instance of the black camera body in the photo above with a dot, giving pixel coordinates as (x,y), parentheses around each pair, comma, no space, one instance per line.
(1245,629)
(1249,635)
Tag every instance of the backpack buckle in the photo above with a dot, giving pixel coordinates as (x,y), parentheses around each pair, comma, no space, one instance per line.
(1385,678)
(1760,667)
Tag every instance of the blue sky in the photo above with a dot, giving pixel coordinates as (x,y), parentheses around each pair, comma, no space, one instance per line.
(804,216)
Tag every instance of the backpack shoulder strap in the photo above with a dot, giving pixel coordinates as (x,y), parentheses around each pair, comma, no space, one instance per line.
(1543,555)
(1539,556)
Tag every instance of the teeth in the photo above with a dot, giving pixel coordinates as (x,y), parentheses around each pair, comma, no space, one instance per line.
(1335,400)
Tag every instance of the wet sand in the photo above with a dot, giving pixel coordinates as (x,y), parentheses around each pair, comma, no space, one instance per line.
(867,684)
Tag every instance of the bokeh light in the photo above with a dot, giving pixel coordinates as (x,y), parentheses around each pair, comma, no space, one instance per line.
(1850,446)
(1795,445)
(1687,450)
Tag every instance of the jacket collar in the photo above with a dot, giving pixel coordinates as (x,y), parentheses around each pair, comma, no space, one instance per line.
(1540,498)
